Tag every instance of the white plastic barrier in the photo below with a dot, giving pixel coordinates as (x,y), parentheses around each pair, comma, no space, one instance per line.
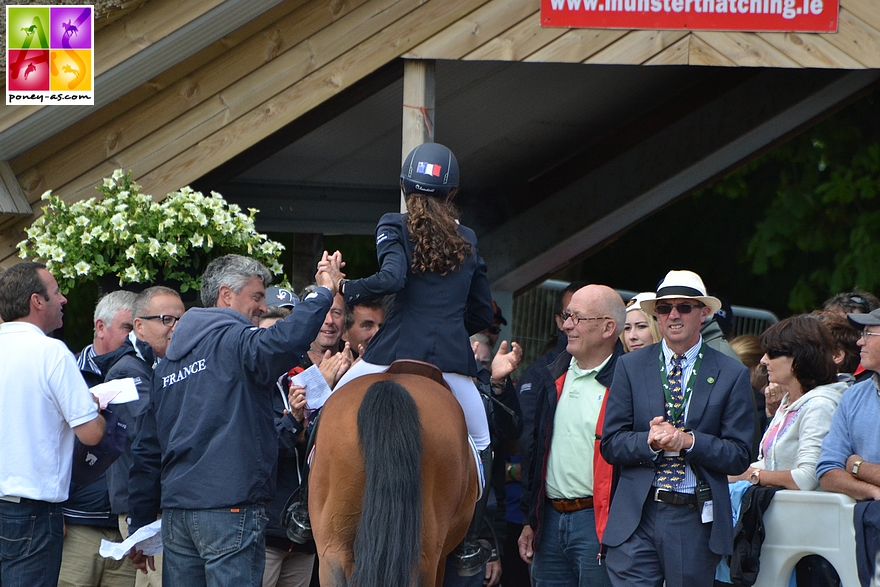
(799,523)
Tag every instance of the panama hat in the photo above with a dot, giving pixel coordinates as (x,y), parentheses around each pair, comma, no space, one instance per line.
(681,284)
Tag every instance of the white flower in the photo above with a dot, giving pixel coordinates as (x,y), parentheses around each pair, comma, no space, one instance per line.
(108,183)
(154,247)
(118,222)
(171,249)
(86,238)
(117,175)
(121,207)
(131,273)
(57,254)
(46,195)
(131,252)
(82,268)
(69,230)
(196,240)
(82,220)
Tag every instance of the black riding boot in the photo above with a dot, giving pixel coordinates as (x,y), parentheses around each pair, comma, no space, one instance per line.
(471,555)
(295,516)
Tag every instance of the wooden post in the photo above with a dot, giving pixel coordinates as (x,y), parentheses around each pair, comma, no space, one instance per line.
(418,107)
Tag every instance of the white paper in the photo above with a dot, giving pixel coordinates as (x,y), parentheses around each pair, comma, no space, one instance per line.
(147,539)
(317,390)
(117,391)
(708,513)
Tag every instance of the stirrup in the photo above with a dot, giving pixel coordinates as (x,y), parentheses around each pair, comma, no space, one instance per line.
(299,527)
(471,557)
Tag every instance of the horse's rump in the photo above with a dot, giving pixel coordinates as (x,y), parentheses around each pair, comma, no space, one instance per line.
(414,479)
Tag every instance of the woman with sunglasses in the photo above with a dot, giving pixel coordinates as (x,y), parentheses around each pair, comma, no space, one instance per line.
(799,357)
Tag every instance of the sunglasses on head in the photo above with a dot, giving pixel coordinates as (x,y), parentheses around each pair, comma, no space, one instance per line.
(682,308)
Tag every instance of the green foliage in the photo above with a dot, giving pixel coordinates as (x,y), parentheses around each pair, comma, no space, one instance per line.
(823,217)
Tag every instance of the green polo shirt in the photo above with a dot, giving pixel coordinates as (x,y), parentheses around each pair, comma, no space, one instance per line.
(570,466)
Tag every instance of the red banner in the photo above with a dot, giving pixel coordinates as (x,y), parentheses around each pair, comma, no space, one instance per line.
(813,16)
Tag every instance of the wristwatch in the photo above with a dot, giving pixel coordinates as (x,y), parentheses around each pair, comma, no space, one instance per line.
(855,469)
(341,287)
(755,477)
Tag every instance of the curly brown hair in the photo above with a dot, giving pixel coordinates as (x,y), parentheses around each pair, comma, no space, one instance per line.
(439,246)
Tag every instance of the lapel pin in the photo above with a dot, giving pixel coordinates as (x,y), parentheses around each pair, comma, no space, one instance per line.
(711,380)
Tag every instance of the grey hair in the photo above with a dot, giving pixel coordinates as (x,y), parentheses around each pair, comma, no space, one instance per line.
(617,310)
(233,271)
(110,305)
(145,297)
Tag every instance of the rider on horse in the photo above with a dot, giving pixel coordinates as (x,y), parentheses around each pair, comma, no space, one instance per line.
(431,263)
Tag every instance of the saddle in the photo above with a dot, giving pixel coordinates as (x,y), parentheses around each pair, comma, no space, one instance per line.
(414,367)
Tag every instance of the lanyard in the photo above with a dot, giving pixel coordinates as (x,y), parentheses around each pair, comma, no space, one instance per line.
(674,414)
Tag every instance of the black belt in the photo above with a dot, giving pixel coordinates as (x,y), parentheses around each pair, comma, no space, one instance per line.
(12,499)
(673,497)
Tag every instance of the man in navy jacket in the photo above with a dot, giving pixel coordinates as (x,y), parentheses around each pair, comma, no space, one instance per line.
(206,447)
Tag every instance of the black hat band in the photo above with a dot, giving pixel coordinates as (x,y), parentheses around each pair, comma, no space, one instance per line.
(679,290)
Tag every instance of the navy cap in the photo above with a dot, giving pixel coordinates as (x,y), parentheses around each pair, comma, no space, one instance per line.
(278,296)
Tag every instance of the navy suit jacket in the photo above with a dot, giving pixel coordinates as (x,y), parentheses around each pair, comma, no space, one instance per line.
(433,315)
(720,416)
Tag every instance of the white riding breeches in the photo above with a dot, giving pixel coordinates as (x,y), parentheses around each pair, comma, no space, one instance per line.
(463,389)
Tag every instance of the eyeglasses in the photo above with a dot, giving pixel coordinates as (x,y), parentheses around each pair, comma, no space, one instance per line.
(866,334)
(166,319)
(576,319)
(682,308)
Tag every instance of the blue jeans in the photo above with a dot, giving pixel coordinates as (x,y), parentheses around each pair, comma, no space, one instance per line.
(31,540)
(567,549)
(220,547)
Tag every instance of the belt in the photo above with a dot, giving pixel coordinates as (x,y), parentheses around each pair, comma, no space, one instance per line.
(13,499)
(571,505)
(673,497)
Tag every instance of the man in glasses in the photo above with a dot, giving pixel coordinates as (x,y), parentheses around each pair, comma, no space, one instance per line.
(850,458)
(678,422)
(569,486)
(156,312)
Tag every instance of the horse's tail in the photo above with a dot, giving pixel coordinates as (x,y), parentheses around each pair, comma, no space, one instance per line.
(387,546)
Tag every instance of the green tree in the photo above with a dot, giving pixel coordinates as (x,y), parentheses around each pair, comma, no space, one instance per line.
(821,220)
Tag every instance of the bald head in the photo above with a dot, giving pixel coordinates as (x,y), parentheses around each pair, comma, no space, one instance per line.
(601,316)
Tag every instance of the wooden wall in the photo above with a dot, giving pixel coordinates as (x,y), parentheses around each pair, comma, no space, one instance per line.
(212,106)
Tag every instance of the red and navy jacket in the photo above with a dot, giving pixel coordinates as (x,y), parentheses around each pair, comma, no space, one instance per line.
(549,389)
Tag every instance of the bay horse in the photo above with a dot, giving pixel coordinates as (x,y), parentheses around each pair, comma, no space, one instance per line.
(393,481)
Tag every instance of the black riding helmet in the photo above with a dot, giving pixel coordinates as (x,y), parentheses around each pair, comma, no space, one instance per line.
(430,169)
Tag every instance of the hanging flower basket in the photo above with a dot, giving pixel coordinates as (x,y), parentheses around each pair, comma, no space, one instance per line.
(127,236)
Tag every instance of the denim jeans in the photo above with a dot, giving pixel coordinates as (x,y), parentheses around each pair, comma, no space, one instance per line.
(219,547)
(31,540)
(566,554)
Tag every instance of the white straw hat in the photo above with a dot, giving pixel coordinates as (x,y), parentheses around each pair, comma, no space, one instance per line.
(681,284)
(635,302)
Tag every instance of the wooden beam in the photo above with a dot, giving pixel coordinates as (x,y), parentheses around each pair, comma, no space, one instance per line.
(12,198)
(637,47)
(701,53)
(517,43)
(418,107)
(575,46)
(868,11)
(857,39)
(675,54)
(811,50)
(474,30)
(746,49)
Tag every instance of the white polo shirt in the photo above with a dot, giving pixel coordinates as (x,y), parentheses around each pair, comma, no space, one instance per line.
(42,397)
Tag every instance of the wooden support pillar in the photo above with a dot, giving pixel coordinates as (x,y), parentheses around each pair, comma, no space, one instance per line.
(418,107)
(12,197)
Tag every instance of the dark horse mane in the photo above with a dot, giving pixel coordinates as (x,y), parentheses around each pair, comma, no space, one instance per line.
(388,545)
